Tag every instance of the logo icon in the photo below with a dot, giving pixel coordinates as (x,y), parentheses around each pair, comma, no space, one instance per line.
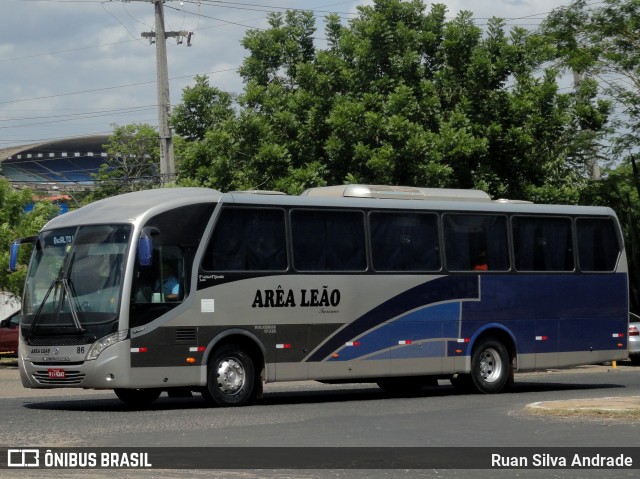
(23,458)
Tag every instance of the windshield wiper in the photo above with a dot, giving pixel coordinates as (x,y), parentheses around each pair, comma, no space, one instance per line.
(73,305)
(36,317)
(72,300)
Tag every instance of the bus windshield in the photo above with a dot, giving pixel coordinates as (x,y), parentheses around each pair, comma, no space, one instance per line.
(75,276)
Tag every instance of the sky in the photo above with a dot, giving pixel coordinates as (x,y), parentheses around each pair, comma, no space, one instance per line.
(78,67)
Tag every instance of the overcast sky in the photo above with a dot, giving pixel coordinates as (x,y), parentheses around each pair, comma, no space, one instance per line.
(76,67)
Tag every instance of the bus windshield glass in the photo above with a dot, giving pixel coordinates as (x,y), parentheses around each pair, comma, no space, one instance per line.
(75,276)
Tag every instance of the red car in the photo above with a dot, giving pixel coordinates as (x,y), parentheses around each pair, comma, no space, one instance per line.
(9,335)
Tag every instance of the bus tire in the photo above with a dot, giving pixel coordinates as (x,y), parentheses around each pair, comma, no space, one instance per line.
(137,397)
(491,369)
(230,377)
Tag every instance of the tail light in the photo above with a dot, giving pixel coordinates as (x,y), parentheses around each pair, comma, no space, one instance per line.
(633,330)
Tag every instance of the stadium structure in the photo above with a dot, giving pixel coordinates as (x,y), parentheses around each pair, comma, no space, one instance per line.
(65,165)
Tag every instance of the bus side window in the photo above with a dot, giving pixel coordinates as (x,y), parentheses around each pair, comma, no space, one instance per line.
(476,242)
(328,240)
(247,239)
(179,232)
(543,243)
(404,241)
(598,247)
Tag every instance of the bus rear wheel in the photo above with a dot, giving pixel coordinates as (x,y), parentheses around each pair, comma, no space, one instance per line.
(230,377)
(138,397)
(491,369)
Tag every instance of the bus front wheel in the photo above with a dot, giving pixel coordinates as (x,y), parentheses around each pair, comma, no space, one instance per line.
(230,377)
(491,369)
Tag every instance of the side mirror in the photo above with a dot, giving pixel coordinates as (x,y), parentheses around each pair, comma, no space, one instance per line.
(4,323)
(13,251)
(145,245)
(13,256)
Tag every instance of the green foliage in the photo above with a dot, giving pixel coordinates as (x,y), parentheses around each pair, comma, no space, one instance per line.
(203,107)
(133,154)
(601,41)
(15,223)
(276,53)
(400,96)
(619,190)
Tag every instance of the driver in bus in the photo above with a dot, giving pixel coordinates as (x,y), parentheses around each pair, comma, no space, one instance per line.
(170,284)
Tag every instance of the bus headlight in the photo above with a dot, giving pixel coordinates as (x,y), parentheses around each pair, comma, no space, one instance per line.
(103,343)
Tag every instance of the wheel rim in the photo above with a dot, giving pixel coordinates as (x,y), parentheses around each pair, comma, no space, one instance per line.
(490,365)
(231,376)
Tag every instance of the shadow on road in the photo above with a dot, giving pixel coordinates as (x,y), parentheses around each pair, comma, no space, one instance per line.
(331,394)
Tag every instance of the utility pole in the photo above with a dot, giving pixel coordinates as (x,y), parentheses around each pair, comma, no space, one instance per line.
(167,162)
(592,160)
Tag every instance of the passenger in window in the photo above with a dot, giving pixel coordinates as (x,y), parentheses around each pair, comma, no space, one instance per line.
(481,262)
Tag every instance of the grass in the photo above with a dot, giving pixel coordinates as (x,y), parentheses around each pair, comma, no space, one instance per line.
(630,415)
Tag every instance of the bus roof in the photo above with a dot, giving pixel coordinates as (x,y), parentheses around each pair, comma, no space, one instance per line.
(132,207)
(398,192)
(129,207)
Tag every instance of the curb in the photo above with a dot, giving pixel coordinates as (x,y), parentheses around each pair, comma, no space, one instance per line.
(596,406)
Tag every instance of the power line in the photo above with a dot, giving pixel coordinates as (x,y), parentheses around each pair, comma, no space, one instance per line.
(70,50)
(204,3)
(108,111)
(227,22)
(122,24)
(66,118)
(95,90)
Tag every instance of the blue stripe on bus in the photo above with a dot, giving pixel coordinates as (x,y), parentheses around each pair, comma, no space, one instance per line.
(441,320)
(439,290)
(572,312)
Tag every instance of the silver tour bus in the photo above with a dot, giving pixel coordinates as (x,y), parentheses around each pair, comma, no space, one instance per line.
(193,290)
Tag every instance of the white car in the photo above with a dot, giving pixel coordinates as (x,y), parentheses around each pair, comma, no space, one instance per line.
(634,338)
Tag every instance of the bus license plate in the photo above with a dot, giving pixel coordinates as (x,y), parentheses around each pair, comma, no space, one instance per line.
(56,373)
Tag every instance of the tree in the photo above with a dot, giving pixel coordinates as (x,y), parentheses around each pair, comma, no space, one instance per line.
(16,223)
(132,162)
(618,190)
(601,41)
(400,96)
(203,107)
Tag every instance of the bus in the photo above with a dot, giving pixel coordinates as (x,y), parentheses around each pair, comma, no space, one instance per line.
(184,290)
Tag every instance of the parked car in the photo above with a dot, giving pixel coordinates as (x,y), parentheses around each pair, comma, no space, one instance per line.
(634,338)
(9,335)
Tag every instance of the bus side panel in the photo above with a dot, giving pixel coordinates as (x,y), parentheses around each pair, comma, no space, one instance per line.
(370,323)
(424,328)
(562,319)
(406,335)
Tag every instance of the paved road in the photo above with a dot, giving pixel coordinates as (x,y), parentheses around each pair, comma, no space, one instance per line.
(312,414)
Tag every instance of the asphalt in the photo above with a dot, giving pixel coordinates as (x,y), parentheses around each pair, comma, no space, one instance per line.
(11,387)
